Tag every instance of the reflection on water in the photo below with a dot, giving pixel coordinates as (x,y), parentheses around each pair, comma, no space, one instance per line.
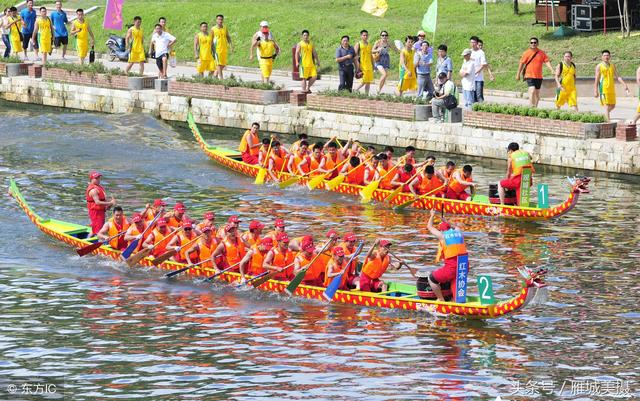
(110,331)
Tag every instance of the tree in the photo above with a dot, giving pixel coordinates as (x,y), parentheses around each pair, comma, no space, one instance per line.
(516,11)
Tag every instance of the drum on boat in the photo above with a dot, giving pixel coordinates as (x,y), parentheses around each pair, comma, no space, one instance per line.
(510,197)
(424,288)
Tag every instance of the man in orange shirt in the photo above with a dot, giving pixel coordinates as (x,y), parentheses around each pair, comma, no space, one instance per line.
(250,144)
(530,67)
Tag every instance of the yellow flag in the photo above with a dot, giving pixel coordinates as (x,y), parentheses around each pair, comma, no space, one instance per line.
(377,8)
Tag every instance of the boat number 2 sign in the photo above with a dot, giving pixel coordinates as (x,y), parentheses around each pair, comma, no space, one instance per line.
(485,289)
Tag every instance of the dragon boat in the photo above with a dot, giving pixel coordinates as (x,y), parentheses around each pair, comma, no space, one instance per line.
(479,206)
(399,296)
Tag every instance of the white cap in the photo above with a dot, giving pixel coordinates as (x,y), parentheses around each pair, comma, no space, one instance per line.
(421,33)
(263,24)
(466,52)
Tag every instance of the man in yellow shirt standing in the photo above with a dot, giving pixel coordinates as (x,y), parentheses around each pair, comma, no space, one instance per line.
(43,34)
(203,51)
(135,43)
(307,62)
(268,50)
(221,44)
(82,31)
(566,81)
(605,83)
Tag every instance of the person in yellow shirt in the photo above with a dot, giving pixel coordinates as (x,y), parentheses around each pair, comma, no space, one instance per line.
(307,62)
(43,34)
(203,51)
(14,26)
(84,36)
(221,44)
(566,82)
(605,83)
(364,61)
(408,80)
(135,43)
(267,48)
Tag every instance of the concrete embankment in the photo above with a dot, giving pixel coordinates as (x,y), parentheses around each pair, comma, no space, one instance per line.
(608,155)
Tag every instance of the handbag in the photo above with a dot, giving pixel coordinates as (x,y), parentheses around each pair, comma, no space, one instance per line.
(524,69)
(450,102)
(92,55)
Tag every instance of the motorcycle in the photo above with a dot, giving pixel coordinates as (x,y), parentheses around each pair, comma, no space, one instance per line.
(117,48)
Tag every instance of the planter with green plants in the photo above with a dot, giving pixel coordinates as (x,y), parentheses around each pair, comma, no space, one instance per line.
(229,89)
(508,117)
(13,66)
(388,106)
(96,74)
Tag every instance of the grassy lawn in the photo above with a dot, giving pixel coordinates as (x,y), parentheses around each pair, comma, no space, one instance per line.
(505,36)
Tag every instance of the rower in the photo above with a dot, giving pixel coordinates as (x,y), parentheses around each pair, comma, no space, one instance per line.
(446,172)
(233,220)
(315,161)
(409,156)
(333,158)
(181,239)
(402,177)
(253,260)
(388,150)
(158,234)
(354,171)
(97,203)
(517,160)
(262,152)
(177,216)
(348,244)
(135,230)
(315,272)
(252,236)
(209,221)
(383,171)
(353,147)
(116,224)
(232,249)
(460,181)
(426,182)
(279,257)
(250,144)
(279,227)
(450,246)
(371,170)
(297,158)
(277,160)
(374,266)
(368,155)
(296,145)
(335,266)
(150,211)
(428,161)
(203,248)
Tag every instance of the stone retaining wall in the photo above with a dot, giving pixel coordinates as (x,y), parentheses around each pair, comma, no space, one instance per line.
(583,154)
(367,107)
(234,94)
(99,80)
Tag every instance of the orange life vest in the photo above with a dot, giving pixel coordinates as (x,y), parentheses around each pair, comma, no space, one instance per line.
(149,216)
(282,259)
(375,268)
(452,246)
(250,240)
(406,159)
(279,160)
(445,174)
(456,186)
(233,252)
(102,195)
(315,163)
(256,262)
(519,160)
(332,267)
(117,243)
(205,251)
(157,237)
(244,143)
(331,163)
(316,270)
(426,185)
(135,232)
(355,175)
(297,159)
(385,183)
(174,222)
(182,256)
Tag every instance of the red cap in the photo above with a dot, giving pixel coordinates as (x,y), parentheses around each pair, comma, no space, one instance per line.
(161,221)
(350,237)
(255,224)
(279,223)
(338,251)
(205,229)
(233,219)
(331,233)
(159,202)
(209,216)
(384,242)
(307,243)
(94,174)
(444,226)
(267,242)
(179,207)
(229,227)
(136,218)
(186,224)
(282,237)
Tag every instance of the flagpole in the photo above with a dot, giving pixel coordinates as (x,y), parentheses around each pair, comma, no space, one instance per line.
(485,12)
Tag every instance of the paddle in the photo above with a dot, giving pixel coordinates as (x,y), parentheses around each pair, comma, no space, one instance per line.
(167,255)
(262,172)
(175,273)
(134,244)
(367,192)
(402,206)
(92,247)
(134,259)
(396,191)
(333,286)
(220,272)
(261,280)
(293,284)
(315,181)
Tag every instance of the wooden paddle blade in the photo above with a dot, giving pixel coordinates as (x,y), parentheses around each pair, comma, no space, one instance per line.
(289,182)
(134,259)
(262,174)
(129,250)
(175,273)
(335,182)
(164,257)
(291,288)
(332,288)
(315,181)
(89,248)
(402,206)
(392,195)
(259,281)
(367,192)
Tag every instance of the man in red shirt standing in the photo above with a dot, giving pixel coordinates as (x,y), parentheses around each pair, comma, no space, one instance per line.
(531,68)
(97,203)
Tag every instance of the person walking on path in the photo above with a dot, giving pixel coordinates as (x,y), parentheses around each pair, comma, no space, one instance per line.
(162,43)
(28,16)
(530,68)
(480,60)
(382,58)
(423,61)
(222,44)
(267,49)
(488,67)
(203,51)
(307,62)
(467,73)
(566,92)
(82,31)
(13,23)
(345,55)
(605,83)
(97,203)
(444,63)
(134,41)
(5,23)
(408,80)
(364,61)
(60,33)
(43,34)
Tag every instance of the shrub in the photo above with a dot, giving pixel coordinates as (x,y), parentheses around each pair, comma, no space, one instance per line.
(383,97)
(521,110)
(511,110)
(575,116)
(531,112)
(554,114)
(11,60)
(230,82)
(565,116)
(543,114)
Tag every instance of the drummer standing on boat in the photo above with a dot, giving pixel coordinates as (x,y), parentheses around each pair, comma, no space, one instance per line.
(97,203)
(517,160)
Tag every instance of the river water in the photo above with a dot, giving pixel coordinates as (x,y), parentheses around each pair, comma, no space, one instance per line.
(99,330)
